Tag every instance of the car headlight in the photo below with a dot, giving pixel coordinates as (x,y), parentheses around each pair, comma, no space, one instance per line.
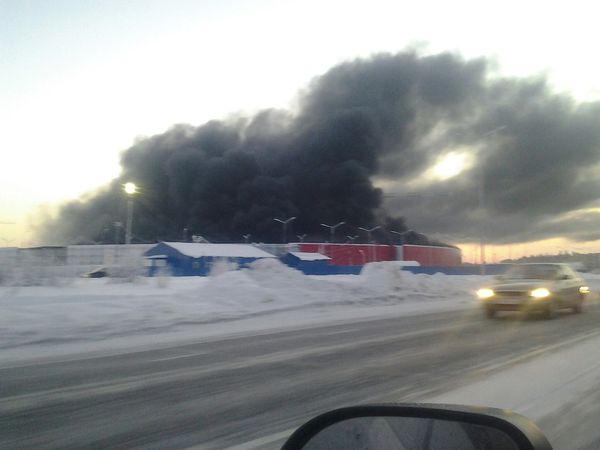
(485,293)
(584,290)
(540,293)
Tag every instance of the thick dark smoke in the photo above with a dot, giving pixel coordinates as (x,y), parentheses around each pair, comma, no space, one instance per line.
(382,121)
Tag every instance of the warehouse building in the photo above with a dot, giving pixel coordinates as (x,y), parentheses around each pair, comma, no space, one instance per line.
(188,259)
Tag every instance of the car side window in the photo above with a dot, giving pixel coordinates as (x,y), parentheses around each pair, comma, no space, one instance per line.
(552,273)
(565,273)
(572,274)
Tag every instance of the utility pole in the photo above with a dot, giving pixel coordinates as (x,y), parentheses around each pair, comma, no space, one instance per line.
(482,204)
(482,242)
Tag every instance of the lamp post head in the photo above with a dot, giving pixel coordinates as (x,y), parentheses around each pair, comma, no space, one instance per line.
(285,222)
(401,233)
(130,188)
(369,230)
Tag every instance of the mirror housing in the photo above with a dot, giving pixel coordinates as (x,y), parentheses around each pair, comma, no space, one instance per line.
(524,433)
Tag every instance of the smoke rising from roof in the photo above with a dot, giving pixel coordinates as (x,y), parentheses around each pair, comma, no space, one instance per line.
(381,121)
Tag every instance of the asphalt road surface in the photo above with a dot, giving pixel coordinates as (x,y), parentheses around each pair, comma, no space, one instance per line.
(252,391)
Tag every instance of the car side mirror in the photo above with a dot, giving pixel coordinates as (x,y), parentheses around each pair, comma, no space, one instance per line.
(418,427)
(565,277)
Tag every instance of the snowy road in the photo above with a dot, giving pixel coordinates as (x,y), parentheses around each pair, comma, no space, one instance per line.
(251,391)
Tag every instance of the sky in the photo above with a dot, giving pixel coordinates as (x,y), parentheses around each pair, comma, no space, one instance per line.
(80,81)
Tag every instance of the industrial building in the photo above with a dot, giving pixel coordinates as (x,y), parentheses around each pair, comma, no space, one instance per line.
(182,258)
(188,259)
(360,254)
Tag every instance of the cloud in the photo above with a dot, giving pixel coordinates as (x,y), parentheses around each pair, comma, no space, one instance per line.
(380,121)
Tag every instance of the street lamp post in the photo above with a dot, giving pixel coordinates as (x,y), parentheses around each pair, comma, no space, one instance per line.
(285,224)
(301,237)
(371,248)
(482,203)
(332,229)
(130,189)
(482,241)
(364,257)
(401,234)
(369,231)
(247,237)
(117,225)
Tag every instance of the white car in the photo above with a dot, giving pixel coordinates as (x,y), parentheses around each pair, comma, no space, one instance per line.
(544,288)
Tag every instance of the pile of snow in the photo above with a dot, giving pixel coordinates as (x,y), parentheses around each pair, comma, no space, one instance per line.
(99,309)
(387,278)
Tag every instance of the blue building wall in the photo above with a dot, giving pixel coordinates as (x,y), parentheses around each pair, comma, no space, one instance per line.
(491,269)
(318,267)
(180,265)
(329,270)
(177,263)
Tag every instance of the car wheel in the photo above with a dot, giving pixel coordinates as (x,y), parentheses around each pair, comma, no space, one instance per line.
(551,310)
(490,312)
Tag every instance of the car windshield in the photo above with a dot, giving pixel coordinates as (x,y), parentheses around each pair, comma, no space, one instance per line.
(532,272)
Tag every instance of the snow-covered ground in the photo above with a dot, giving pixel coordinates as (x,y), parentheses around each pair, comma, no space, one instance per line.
(106,314)
(537,386)
(98,315)
(557,389)
(103,313)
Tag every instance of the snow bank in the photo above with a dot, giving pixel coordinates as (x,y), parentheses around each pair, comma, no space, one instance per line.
(91,310)
(388,279)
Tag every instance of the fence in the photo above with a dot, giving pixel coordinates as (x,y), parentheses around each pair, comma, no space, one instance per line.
(491,269)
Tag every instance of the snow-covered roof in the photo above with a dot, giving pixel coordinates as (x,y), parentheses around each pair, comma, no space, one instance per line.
(196,250)
(156,257)
(408,263)
(308,256)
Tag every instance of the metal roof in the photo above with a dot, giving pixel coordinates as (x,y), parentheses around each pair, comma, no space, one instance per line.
(308,256)
(197,250)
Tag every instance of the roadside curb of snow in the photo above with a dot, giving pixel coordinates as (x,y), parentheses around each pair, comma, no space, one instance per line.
(482,373)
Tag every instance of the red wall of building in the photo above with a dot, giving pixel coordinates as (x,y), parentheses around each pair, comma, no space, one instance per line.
(359,254)
(351,254)
(432,256)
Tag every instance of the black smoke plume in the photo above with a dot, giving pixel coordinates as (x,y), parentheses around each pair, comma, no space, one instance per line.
(358,149)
